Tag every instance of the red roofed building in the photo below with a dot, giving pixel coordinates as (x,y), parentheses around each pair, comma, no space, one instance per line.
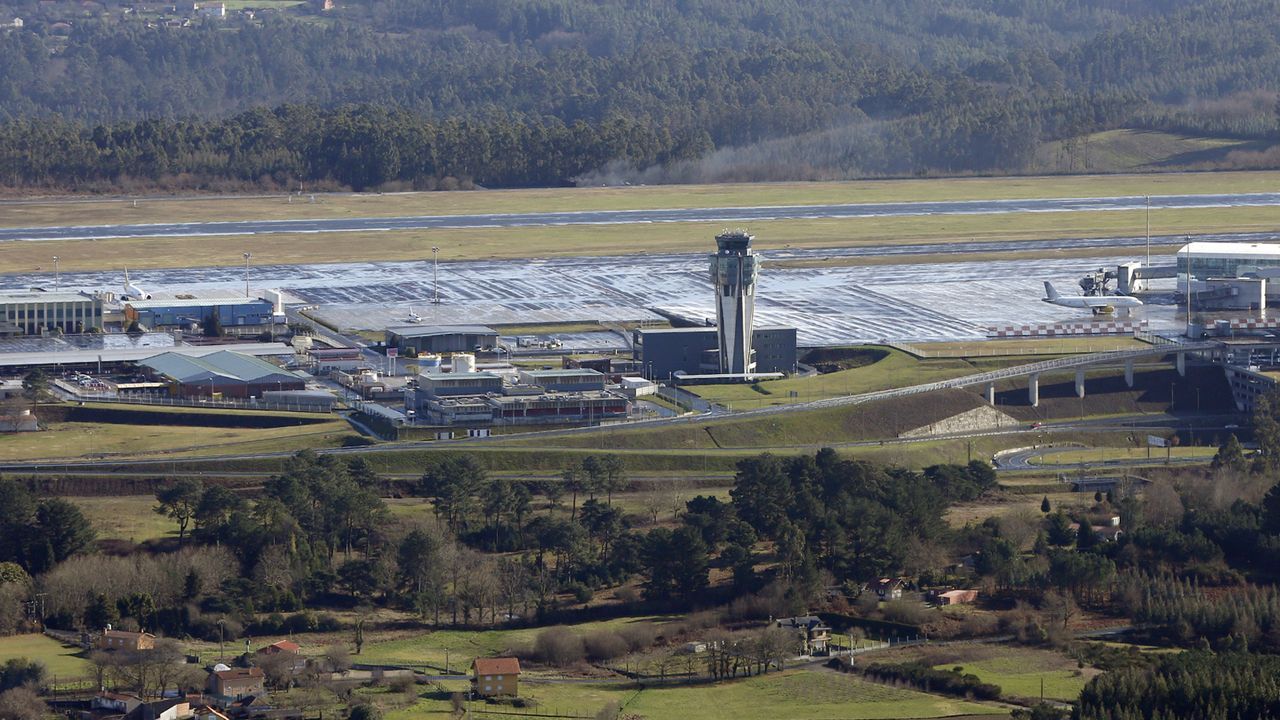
(284,646)
(495,676)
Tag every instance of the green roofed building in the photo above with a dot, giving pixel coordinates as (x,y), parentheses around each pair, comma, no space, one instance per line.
(224,373)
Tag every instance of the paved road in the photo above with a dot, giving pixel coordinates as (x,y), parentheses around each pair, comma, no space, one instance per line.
(628,217)
(847,400)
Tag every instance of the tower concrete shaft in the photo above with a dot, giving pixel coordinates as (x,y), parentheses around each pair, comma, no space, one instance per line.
(734,268)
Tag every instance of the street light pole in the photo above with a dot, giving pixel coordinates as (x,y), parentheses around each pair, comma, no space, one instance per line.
(1148,231)
(435,275)
(246,273)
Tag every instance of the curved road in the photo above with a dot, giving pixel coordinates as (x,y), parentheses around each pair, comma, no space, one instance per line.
(624,217)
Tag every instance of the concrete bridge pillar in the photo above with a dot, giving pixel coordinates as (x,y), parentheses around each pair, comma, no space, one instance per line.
(1033,389)
(1080,382)
(1181,364)
(1128,372)
(991,393)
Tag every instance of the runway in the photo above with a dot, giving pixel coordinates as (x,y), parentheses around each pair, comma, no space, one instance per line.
(728,215)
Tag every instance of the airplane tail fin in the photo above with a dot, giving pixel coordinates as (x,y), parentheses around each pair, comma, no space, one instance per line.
(126,276)
(1049,291)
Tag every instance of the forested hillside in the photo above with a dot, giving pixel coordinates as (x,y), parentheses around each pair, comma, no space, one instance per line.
(719,89)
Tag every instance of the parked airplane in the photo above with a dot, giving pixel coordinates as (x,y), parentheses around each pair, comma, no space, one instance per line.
(133,292)
(1099,304)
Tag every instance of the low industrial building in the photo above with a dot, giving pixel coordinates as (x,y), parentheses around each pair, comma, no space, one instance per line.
(221,374)
(665,352)
(232,313)
(543,396)
(569,380)
(324,360)
(441,338)
(37,313)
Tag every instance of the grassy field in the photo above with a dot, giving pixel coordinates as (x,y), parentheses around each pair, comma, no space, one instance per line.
(1101,454)
(1025,347)
(973,513)
(130,518)
(1128,150)
(201,209)
(897,369)
(463,646)
(1020,671)
(59,660)
(78,440)
(788,695)
(522,242)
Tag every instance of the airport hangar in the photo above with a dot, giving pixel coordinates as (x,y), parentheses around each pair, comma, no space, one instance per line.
(441,338)
(223,373)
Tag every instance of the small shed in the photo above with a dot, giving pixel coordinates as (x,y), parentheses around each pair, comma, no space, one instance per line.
(957,597)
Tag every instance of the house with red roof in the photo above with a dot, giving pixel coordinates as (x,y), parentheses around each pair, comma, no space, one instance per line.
(495,676)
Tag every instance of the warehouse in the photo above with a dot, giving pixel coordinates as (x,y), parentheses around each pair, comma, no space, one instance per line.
(35,313)
(245,313)
(442,338)
(221,374)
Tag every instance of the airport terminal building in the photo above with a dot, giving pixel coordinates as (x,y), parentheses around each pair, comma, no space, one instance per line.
(36,313)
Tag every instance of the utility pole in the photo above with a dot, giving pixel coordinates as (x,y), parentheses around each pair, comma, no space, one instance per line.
(1148,231)
(247,255)
(435,275)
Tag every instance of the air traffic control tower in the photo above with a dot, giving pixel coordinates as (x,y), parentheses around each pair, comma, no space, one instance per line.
(734,268)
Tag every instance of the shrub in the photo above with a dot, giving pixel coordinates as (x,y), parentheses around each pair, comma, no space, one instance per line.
(580,592)
(558,646)
(605,645)
(927,679)
(639,635)
(907,612)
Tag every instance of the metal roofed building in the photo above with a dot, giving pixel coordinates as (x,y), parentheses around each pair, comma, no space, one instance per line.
(441,338)
(33,313)
(231,312)
(224,373)
(664,352)
(567,380)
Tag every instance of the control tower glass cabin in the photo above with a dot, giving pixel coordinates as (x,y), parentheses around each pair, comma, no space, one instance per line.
(734,268)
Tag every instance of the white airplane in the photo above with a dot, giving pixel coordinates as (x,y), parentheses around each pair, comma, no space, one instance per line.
(413,316)
(133,292)
(1099,304)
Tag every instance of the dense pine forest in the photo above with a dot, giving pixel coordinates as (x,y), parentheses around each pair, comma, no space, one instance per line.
(505,93)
